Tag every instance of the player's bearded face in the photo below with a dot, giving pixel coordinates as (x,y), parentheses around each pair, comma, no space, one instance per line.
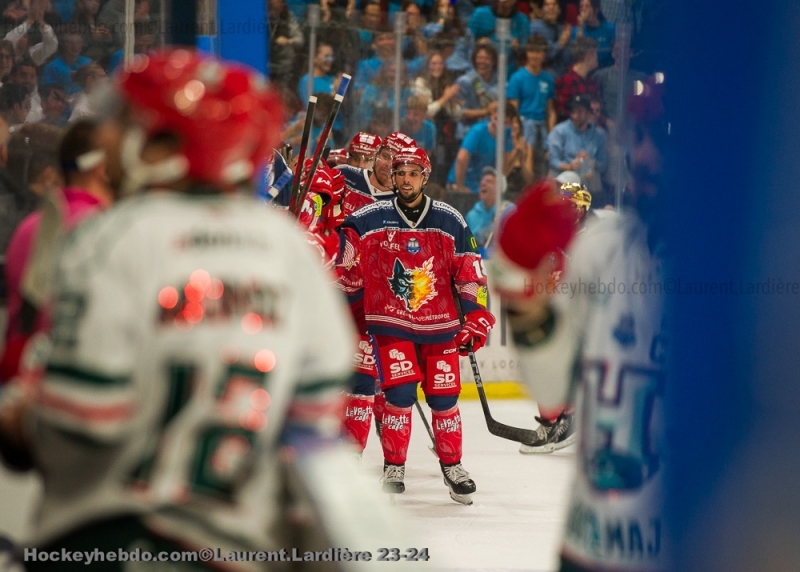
(409,182)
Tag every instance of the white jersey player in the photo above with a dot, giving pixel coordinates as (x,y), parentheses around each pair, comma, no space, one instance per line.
(194,333)
(602,331)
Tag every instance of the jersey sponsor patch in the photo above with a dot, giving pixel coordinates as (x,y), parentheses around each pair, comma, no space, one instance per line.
(482,296)
(364,358)
(413,246)
(473,244)
(399,364)
(415,286)
(443,376)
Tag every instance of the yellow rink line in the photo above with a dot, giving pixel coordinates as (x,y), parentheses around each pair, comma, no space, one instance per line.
(494,390)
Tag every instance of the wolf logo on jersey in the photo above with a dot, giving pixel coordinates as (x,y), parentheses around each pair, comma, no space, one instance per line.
(415,286)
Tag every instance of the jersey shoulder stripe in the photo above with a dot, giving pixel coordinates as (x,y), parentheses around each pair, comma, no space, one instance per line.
(450,210)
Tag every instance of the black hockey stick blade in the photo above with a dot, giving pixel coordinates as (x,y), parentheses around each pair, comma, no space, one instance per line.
(502,430)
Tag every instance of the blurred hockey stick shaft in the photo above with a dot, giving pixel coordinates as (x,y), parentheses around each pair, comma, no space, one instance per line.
(294,208)
(323,139)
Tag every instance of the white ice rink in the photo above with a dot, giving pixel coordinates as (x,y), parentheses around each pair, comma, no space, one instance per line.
(515,522)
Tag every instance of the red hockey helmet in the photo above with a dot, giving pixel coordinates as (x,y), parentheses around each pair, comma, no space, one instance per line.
(227,116)
(365,144)
(397,140)
(412,156)
(337,157)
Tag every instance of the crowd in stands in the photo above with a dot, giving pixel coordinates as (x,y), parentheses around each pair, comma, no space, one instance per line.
(562,89)
(562,82)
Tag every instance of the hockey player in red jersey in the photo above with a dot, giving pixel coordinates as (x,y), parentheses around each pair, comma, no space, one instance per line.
(365,186)
(410,265)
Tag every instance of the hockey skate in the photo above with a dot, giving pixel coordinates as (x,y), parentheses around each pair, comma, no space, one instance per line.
(457,480)
(551,436)
(392,479)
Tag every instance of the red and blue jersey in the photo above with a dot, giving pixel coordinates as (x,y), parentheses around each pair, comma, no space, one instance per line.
(359,192)
(406,275)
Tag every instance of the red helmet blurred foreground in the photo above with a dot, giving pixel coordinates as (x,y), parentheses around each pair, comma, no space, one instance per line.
(227,116)
(412,156)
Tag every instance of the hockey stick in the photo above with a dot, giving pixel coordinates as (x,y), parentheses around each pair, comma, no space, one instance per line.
(502,430)
(432,447)
(301,155)
(323,139)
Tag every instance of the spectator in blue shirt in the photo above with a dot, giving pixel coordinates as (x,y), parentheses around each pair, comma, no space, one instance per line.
(417,127)
(592,24)
(59,71)
(323,80)
(558,36)
(483,21)
(380,93)
(532,91)
(578,145)
(480,218)
(478,88)
(477,151)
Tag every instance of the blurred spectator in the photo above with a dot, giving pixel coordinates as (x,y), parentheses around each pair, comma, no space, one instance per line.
(416,126)
(380,93)
(285,39)
(578,145)
(519,167)
(484,19)
(447,30)
(323,80)
(577,81)
(478,88)
(16,202)
(34,24)
(88,77)
(112,16)
(97,38)
(55,107)
(371,22)
(60,70)
(15,103)
(24,73)
(87,191)
(143,41)
(532,91)
(336,29)
(444,110)
(607,80)
(15,11)
(557,34)
(381,122)
(369,69)
(6,59)
(481,217)
(415,44)
(33,157)
(592,24)
(478,150)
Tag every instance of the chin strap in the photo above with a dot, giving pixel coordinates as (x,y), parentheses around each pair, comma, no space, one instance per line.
(139,174)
